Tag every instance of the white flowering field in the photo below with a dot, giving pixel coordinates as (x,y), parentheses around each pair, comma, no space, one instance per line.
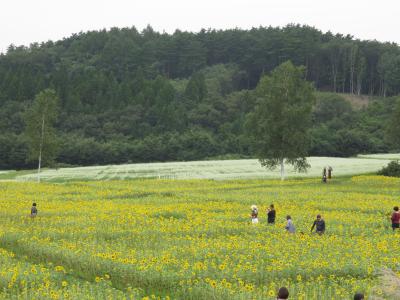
(390,156)
(223,169)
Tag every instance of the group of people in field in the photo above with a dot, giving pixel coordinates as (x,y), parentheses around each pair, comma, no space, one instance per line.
(319,222)
(326,174)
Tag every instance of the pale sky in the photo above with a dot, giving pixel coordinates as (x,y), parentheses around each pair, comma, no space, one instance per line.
(25,21)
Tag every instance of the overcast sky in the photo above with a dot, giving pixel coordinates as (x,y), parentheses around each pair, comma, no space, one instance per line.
(25,21)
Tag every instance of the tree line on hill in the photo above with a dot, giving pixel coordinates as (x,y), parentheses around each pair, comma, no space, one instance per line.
(129,96)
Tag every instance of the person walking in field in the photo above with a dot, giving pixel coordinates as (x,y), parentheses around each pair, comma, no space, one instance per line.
(324,175)
(330,172)
(34,210)
(395,218)
(289,225)
(324,178)
(271,214)
(319,224)
(283,294)
(254,214)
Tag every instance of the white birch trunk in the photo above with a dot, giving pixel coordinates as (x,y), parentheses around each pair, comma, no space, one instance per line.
(282,170)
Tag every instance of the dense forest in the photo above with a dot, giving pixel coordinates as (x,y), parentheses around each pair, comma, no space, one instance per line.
(129,96)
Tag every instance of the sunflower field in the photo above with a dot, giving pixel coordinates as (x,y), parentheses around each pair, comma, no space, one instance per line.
(193,239)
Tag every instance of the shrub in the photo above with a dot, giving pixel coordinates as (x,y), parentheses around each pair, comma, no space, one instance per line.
(392,169)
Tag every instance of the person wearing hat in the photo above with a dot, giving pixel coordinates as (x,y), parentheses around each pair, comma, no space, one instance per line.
(319,224)
(254,214)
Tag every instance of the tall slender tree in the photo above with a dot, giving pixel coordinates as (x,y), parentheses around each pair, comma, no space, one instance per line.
(282,118)
(39,130)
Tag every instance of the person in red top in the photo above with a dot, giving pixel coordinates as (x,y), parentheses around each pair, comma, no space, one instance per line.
(395,218)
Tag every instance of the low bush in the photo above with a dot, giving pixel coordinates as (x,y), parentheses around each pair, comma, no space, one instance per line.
(392,169)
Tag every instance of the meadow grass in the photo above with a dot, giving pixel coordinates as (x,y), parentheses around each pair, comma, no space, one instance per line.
(192,239)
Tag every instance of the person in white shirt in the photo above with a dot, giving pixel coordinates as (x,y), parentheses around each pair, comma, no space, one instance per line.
(254,214)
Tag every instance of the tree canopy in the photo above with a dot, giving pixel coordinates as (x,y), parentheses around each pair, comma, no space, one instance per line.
(130,96)
(281,120)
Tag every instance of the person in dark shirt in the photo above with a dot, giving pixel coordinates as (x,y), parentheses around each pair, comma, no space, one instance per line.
(395,218)
(34,210)
(271,214)
(319,223)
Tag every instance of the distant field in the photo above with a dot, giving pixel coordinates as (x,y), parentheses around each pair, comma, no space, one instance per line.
(222,169)
(390,156)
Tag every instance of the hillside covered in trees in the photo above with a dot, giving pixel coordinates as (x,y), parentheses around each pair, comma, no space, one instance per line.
(129,96)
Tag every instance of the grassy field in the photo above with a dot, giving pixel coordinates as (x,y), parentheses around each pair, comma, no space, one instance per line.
(192,239)
(222,169)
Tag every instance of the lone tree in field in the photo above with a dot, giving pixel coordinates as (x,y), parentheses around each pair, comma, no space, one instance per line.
(281,120)
(39,130)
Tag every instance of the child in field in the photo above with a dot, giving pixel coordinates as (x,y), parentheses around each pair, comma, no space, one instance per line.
(254,214)
(33,210)
(289,225)
(271,214)
(395,218)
